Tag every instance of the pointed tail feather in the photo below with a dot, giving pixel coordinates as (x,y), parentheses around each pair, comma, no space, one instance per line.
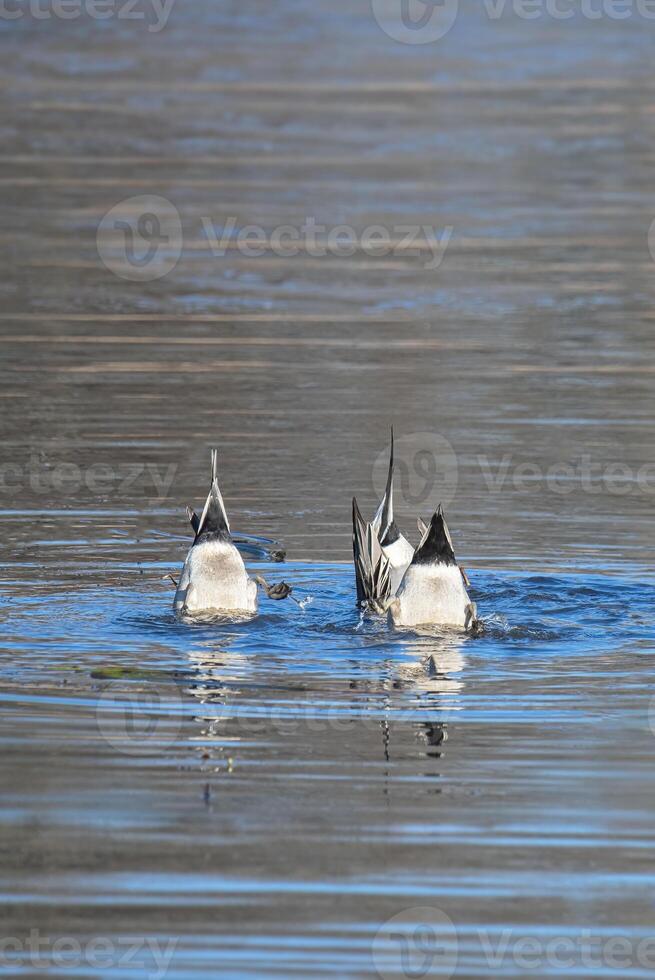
(436,546)
(359,548)
(193,519)
(423,530)
(384,514)
(372,568)
(214,516)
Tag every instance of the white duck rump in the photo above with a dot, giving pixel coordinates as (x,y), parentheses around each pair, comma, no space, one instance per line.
(432,590)
(214,577)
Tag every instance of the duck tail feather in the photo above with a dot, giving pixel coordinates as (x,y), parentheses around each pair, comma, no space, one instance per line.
(359,552)
(436,547)
(214,516)
(384,514)
(193,519)
(372,568)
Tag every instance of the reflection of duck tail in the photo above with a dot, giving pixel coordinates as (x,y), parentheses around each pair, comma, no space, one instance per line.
(386,739)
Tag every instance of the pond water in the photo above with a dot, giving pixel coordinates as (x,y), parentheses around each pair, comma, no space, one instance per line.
(264,795)
(266,798)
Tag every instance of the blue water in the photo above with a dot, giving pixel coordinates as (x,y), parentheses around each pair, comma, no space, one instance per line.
(196,763)
(530,621)
(265,798)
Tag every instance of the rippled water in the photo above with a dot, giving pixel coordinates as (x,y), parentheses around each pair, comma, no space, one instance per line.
(261,798)
(269,792)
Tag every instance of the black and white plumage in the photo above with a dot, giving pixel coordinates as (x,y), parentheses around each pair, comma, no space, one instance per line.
(381,553)
(433,590)
(214,577)
(372,567)
(422,587)
(395,547)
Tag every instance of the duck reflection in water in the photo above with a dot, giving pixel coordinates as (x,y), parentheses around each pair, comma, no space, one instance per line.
(416,691)
(218,676)
(424,691)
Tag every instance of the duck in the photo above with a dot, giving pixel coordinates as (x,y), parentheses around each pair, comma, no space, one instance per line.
(214,578)
(433,589)
(413,587)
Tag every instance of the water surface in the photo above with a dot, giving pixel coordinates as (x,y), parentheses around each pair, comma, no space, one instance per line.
(264,796)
